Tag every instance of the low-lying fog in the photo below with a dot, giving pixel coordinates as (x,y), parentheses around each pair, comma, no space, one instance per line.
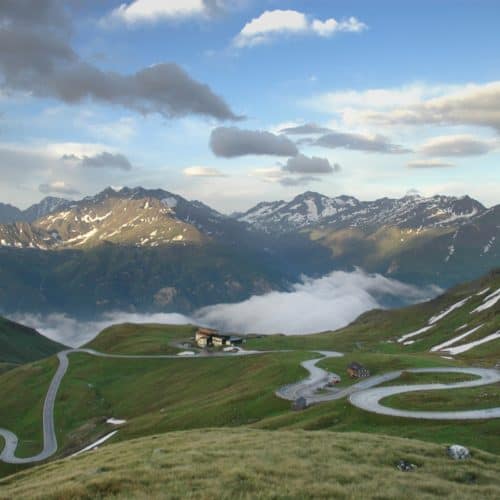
(313,305)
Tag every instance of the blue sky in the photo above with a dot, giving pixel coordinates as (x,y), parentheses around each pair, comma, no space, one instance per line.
(405,95)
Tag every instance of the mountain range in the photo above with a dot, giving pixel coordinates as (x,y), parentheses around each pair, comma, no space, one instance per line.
(443,239)
(313,209)
(143,249)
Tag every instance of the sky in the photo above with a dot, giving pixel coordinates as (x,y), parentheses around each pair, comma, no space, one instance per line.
(233,102)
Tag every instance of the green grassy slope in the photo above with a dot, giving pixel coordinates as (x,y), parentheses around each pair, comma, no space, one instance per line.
(380,363)
(132,338)
(171,395)
(5,367)
(408,378)
(341,416)
(20,344)
(152,395)
(456,399)
(165,395)
(248,464)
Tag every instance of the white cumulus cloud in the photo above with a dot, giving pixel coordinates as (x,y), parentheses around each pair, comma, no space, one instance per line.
(331,26)
(273,23)
(140,11)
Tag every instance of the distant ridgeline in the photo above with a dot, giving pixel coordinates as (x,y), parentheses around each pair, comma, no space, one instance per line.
(151,250)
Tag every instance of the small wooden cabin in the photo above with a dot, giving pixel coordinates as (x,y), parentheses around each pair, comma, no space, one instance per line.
(357,370)
(299,404)
(204,336)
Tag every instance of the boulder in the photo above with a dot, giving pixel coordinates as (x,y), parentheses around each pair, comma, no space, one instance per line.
(458,452)
(405,466)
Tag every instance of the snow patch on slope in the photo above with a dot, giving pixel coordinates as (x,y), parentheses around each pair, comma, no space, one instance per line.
(415,333)
(95,444)
(488,302)
(489,245)
(441,315)
(466,347)
(455,339)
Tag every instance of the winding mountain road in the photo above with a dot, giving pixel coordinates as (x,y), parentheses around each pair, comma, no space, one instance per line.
(318,378)
(369,399)
(49,433)
(364,394)
(8,454)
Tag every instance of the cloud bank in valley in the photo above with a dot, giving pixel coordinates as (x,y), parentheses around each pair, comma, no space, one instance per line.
(74,333)
(313,305)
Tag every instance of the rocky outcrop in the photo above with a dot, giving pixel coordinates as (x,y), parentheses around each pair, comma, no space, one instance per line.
(458,452)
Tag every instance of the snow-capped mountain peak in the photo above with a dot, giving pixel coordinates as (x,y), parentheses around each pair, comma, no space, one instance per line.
(311,209)
(128,216)
(305,209)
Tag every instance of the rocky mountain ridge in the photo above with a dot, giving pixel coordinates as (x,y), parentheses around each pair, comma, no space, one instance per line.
(137,217)
(10,214)
(152,217)
(414,238)
(313,209)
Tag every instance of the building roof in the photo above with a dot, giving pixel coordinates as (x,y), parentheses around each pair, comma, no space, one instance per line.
(206,331)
